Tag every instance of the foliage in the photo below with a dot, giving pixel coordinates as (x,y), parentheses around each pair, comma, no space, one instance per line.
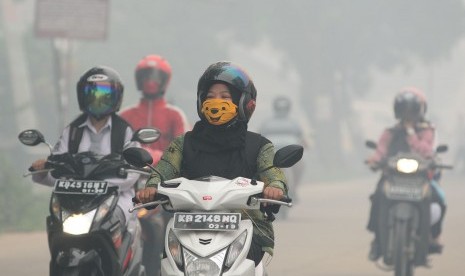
(22,209)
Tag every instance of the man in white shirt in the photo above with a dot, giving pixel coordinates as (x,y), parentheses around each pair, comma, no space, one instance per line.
(98,129)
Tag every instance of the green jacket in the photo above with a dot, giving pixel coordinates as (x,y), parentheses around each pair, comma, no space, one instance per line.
(170,167)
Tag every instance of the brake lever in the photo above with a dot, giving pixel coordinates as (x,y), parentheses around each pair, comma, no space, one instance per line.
(255,200)
(149,205)
(160,199)
(36,172)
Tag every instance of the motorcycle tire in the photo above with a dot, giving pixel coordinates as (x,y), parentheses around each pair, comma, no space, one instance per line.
(403,264)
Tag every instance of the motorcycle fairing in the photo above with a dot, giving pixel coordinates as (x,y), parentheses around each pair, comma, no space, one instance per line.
(76,204)
(198,195)
(63,245)
(208,243)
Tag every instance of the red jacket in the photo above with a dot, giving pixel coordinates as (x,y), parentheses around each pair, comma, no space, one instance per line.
(157,113)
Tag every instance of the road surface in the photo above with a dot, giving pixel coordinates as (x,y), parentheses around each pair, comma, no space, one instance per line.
(324,236)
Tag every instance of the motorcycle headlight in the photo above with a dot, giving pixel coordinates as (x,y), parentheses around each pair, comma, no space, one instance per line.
(78,224)
(175,248)
(103,209)
(235,249)
(199,266)
(405,165)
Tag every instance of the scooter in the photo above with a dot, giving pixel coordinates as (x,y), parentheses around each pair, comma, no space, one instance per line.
(85,236)
(207,235)
(404,217)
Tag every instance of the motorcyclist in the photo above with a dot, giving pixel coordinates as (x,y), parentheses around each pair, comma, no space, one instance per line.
(412,133)
(98,129)
(220,145)
(152,76)
(282,130)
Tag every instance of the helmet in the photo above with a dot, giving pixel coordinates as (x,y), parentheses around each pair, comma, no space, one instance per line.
(100,92)
(282,106)
(410,104)
(153,74)
(242,87)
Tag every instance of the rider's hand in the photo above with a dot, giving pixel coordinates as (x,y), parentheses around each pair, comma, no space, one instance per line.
(146,195)
(372,163)
(409,127)
(273,193)
(408,124)
(39,164)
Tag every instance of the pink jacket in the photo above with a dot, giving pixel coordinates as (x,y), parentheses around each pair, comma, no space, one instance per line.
(421,142)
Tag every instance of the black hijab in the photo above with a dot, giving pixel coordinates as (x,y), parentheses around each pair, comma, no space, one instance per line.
(210,138)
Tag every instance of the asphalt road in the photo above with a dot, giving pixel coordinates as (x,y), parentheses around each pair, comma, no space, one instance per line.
(324,236)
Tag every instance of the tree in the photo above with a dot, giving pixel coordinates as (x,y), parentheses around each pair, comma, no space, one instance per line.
(22,208)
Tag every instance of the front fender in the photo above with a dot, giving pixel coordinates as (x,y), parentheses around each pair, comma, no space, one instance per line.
(404,211)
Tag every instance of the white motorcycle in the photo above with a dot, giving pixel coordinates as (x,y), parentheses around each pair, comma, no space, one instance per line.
(207,235)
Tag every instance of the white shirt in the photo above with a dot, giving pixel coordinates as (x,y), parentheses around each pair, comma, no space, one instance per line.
(100,143)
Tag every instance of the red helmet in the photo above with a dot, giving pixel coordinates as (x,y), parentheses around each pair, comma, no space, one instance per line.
(410,103)
(153,74)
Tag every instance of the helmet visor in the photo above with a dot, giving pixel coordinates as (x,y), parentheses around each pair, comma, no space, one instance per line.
(152,74)
(409,110)
(235,77)
(100,98)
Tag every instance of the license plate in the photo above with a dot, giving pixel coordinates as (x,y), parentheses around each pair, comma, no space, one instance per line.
(207,221)
(88,187)
(403,192)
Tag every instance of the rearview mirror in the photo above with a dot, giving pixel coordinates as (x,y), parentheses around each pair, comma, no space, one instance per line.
(31,137)
(138,157)
(146,135)
(288,156)
(370,144)
(442,148)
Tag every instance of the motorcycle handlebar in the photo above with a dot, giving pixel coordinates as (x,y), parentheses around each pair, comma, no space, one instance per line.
(446,167)
(378,165)
(141,172)
(159,199)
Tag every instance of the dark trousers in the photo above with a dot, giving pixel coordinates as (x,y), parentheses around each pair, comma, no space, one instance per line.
(255,252)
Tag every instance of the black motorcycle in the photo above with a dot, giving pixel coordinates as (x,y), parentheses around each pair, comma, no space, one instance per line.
(403,218)
(85,236)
